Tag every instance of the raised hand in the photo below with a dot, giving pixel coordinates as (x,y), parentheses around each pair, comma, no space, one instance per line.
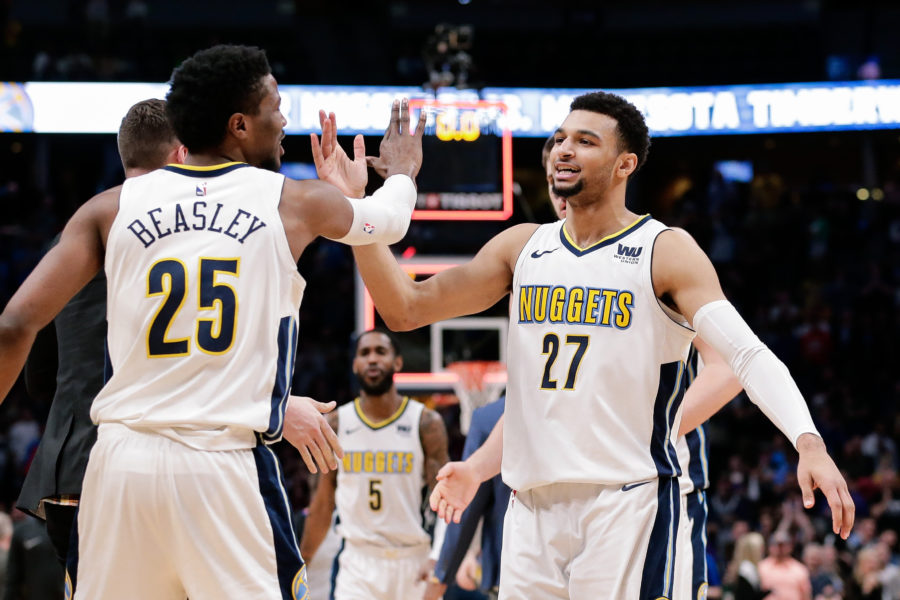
(817,470)
(308,431)
(332,163)
(456,486)
(401,149)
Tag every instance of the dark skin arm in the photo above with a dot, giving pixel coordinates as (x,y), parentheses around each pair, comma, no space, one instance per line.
(433,434)
(321,508)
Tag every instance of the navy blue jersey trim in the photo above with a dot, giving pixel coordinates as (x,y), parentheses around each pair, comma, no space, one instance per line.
(205,173)
(291,576)
(564,239)
(659,566)
(284,375)
(698,513)
(668,398)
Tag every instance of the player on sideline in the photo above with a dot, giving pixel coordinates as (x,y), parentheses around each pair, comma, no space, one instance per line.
(146,142)
(603,307)
(393,449)
(182,496)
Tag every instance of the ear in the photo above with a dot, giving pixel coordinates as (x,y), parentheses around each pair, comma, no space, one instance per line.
(178,155)
(627,164)
(237,125)
(398,364)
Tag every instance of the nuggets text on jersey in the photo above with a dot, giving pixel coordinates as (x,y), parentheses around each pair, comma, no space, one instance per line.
(575,305)
(378,461)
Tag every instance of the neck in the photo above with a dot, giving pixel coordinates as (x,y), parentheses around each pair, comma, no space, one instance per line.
(217,156)
(382,406)
(136,172)
(589,222)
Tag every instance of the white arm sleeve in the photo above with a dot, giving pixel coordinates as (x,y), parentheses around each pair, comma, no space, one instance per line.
(383,217)
(765,378)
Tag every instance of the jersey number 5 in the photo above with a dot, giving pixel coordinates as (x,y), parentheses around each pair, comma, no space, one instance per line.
(551,349)
(169,278)
(374,494)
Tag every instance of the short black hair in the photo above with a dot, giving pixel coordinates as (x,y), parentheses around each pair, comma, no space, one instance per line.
(631,127)
(209,87)
(395,345)
(146,136)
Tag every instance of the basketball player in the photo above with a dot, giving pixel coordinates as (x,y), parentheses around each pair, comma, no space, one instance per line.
(182,496)
(146,141)
(393,449)
(603,309)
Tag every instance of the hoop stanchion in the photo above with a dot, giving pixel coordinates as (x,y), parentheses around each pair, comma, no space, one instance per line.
(478,382)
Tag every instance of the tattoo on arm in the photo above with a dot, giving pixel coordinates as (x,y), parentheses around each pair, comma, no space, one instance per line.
(433,434)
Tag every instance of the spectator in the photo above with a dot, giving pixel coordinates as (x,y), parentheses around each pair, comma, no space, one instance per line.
(742,575)
(784,576)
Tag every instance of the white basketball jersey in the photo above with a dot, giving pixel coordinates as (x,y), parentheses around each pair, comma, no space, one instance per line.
(595,364)
(202,306)
(381,481)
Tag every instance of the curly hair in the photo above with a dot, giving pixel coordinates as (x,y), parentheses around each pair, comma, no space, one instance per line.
(209,87)
(146,136)
(630,126)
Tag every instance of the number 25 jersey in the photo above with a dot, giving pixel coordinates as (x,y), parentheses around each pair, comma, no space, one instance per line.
(595,362)
(202,307)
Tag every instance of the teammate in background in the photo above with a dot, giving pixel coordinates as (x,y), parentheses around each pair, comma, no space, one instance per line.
(182,496)
(68,353)
(393,449)
(489,503)
(558,202)
(590,449)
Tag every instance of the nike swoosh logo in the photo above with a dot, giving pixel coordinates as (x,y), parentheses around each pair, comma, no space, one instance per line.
(540,253)
(627,486)
(354,430)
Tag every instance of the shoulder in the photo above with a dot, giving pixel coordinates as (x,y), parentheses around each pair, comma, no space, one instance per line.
(508,244)
(431,427)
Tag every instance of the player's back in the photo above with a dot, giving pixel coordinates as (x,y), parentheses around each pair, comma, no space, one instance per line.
(202,301)
(596,362)
(381,482)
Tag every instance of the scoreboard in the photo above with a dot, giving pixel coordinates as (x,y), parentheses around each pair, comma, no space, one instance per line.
(466,173)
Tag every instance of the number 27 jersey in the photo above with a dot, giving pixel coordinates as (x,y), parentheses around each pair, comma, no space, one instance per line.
(596,365)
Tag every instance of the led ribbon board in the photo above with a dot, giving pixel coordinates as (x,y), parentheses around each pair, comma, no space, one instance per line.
(47,107)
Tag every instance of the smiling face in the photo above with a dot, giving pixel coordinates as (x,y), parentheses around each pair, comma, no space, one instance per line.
(375,363)
(586,158)
(264,130)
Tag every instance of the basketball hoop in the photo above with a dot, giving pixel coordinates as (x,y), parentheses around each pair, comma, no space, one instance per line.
(478,382)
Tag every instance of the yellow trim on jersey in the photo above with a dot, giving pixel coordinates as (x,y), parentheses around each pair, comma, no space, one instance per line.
(205,167)
(612,235)
(372,424)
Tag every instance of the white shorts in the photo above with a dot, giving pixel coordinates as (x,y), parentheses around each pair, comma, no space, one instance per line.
(690,563)
(584,541)
(159,520)
(365,572)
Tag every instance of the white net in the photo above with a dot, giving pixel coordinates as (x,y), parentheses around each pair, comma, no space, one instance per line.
(478,382)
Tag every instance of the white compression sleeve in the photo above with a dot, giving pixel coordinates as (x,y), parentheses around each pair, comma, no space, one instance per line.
(383,217)
(764,377)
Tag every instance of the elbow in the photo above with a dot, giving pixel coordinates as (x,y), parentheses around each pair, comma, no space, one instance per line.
(399,321)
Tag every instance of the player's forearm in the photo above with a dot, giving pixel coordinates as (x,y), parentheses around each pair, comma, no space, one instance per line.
(486,460)
(765,378)
(391,288)
(713,388)
(16,338)
(317,523)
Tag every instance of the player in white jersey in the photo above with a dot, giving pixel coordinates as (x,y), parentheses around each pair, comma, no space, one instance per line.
(603,308)
(393,449)
(182,496)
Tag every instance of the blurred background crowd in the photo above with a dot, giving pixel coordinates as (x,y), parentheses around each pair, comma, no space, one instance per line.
(807,246)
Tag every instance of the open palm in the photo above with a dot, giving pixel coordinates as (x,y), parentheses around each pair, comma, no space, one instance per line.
(332,163)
